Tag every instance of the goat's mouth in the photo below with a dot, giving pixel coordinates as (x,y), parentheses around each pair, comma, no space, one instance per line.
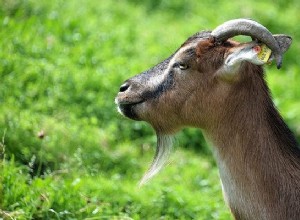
(128,109)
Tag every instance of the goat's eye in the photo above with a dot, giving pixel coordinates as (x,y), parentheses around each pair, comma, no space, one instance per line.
(183,66)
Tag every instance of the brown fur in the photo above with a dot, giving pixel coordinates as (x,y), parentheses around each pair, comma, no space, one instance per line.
(257,154)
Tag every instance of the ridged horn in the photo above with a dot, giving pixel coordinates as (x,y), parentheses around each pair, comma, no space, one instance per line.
(250,28)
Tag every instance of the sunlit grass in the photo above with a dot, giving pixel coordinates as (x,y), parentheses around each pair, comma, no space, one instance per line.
(66,153)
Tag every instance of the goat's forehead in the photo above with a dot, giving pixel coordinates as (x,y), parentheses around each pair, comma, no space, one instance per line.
(185,50)
(188,48)
(197,37)
(192,42)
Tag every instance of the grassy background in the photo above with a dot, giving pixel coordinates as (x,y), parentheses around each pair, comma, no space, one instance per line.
(65,151)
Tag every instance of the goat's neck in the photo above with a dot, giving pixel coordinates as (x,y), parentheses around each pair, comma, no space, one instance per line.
(250,127)
(255,152)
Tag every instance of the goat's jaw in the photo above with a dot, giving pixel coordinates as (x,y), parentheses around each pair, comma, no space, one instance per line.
(128,110)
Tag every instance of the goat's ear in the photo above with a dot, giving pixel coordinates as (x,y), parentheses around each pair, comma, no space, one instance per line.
(250,52)
(284,41)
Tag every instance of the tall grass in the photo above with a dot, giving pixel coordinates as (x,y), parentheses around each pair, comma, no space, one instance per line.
(65,151)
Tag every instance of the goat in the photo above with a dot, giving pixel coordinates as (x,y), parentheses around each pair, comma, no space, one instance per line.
(216,84)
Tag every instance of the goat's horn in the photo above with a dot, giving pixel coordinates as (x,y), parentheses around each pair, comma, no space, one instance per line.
(250,28)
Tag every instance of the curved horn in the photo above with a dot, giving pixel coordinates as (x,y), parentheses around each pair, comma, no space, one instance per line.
(250,28)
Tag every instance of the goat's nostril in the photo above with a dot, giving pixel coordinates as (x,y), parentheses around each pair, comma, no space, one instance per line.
(124,87)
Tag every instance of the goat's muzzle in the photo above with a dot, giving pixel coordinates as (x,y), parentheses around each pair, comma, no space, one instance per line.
(127,101)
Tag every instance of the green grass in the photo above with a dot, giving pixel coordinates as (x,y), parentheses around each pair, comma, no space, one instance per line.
(61,64)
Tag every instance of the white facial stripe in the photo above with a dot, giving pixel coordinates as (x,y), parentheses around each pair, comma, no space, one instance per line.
(179,53)
(160,78)
(155,80)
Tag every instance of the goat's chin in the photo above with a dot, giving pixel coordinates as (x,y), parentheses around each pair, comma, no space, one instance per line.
(163,132)
(163,150)
(129,111)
